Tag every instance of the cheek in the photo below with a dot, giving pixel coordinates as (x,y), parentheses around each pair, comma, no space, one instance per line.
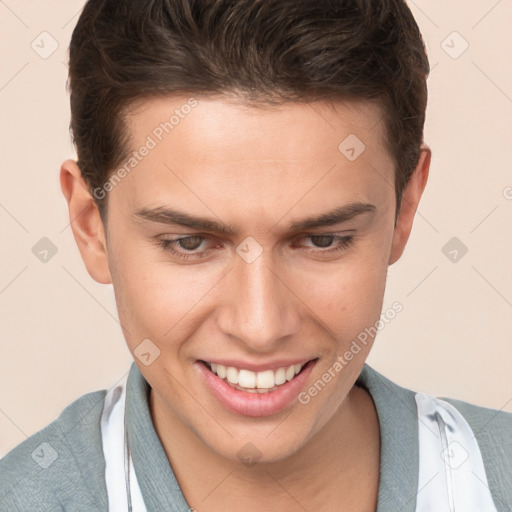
(156,299)
(347,297)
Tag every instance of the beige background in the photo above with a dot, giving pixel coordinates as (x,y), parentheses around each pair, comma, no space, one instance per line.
(59,335)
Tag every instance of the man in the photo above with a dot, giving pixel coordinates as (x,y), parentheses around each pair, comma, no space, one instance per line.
(246,173)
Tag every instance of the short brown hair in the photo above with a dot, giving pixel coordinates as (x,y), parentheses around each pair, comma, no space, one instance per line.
(263,51)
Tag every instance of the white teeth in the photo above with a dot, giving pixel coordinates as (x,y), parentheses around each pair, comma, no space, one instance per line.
(232,375)
(264,379)
(280,377)
(259,382)
(247,379)
(220,370)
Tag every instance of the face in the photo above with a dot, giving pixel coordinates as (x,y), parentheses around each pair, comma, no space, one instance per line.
(251,245)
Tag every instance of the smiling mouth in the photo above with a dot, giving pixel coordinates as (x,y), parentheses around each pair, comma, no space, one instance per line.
(255,382)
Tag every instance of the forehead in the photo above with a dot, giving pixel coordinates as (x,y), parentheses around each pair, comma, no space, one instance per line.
(224,150)
(259,130)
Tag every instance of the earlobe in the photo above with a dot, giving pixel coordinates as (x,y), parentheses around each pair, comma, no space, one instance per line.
(85,221)
(410,199)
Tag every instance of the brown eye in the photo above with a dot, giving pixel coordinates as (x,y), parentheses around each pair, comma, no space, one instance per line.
(327,243)
(322,240)
(186,247)
(190,243)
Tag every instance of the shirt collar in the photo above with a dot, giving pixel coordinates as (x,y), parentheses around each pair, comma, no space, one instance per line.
(156,479)
(399,452)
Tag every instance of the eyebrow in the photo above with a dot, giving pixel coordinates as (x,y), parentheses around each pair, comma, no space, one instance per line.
(167,215)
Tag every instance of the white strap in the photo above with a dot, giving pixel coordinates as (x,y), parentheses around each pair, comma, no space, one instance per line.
(122,487)
(138,504)
(451,474)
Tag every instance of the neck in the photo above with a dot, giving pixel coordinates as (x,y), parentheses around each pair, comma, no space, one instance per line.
(342,462)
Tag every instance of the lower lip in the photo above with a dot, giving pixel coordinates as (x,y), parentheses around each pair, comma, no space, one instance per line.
(255,404)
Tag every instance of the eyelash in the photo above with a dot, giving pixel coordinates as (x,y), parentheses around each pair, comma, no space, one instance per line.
(344,242)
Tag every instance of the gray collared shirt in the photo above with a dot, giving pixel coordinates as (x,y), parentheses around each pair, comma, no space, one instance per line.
(62,467)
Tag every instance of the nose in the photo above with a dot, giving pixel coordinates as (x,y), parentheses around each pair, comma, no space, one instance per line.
(260,310)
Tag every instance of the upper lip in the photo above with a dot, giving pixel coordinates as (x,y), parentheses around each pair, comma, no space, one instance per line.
(258,367)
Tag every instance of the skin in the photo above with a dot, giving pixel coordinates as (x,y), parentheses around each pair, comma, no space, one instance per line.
(257,170)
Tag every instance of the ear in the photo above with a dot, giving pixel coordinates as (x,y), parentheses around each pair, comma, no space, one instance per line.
(410,199)
(85,222)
